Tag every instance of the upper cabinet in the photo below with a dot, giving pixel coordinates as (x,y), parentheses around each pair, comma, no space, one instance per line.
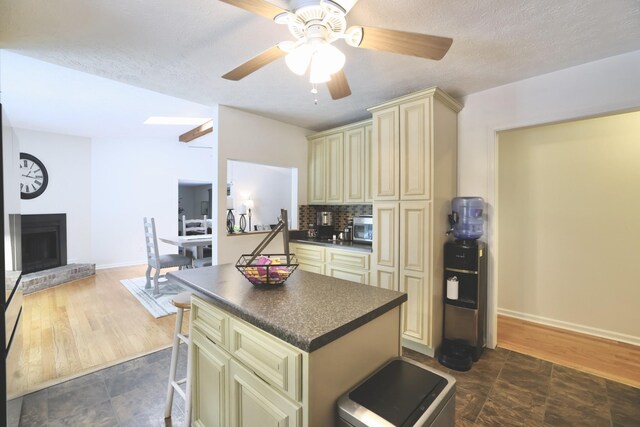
(340,165)
(404,131)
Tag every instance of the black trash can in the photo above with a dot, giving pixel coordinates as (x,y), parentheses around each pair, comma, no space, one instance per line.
(401,393)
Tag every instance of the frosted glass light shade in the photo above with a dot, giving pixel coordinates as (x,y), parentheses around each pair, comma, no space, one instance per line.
(298,59)
(323,58)
(328,58)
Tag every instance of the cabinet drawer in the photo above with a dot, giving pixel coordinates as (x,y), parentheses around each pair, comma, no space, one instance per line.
(210,321)
(309,252)
(353,275)
(276,362)
(313,267)
(351,259)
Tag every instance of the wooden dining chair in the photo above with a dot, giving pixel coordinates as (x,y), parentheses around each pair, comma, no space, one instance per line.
(155,260)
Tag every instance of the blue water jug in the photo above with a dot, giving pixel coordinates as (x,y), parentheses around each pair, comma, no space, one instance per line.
(467,222)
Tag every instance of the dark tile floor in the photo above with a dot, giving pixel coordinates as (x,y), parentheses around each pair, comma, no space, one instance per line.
(130,394)
(505,388)
(502,389)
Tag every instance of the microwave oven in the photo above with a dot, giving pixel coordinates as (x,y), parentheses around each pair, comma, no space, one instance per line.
(363,229)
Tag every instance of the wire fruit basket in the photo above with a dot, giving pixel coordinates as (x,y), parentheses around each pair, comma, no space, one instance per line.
(267,269)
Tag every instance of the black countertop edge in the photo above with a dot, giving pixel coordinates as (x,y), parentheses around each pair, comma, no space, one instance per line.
(297,341)
(338,244)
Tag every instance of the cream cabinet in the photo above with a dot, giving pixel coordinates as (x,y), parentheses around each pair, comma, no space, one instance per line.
(414,143)
(257,379)
(340,263)
(340,165)
(334,169)
(310,257)
(354,165)
(415,268)
(316,171)
(368,165)
(386,238)
(254,403)
(211,384)
(348,265)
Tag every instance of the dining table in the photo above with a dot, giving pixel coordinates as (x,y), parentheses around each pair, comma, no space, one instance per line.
(194,243)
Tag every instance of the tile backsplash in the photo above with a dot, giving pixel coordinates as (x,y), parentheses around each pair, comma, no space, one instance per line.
(341,214)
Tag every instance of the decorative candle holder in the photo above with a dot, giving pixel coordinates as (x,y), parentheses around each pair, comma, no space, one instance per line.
(242,222)
(231,221)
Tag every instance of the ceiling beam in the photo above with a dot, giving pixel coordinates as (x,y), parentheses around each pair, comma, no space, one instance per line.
(194,133)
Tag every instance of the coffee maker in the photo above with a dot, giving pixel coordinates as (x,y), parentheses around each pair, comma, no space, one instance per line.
(325,225)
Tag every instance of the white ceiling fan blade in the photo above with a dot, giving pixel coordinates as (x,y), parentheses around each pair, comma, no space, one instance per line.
(259,7)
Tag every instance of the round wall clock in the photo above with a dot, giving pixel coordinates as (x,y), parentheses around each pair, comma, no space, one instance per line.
(33,176)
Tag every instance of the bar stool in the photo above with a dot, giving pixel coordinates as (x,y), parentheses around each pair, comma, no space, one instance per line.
(182,302)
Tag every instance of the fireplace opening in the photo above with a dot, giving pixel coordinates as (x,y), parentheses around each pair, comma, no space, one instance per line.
(44,242)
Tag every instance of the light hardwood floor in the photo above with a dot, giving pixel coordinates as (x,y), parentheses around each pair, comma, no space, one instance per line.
(85,325)
(605,358)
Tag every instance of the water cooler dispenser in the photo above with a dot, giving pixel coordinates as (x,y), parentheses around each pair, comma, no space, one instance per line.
(465,286)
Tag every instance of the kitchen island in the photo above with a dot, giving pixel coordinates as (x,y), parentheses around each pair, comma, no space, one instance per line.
(283,355)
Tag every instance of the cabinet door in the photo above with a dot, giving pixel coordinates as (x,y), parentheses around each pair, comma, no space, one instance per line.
(254,403)
(368,165)
(415,235)
(316,173)
(386,236)
(386,154)
(415,150)
(210,382)
(334,168)
(354,165)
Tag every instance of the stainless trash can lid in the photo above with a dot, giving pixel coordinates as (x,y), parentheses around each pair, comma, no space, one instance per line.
(400,393)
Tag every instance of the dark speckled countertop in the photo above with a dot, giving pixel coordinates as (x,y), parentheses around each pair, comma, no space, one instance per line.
(309,311)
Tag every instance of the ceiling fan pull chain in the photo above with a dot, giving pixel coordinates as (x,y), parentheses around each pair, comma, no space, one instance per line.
(314,91)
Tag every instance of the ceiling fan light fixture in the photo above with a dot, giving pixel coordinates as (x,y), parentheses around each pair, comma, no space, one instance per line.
(327,59)
(299,58)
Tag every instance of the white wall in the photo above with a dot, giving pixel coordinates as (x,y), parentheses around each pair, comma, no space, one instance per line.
(11,186)
(68,162)
(134,178)
(269,187)
(595,88)
(568,204)
(251,138)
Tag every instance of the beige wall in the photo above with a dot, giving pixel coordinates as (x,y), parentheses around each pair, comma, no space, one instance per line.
(251,138)
(569,224)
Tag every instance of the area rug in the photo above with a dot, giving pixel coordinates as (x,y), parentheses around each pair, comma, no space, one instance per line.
(157,305)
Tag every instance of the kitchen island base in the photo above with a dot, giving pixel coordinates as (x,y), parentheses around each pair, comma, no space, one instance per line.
(242,375)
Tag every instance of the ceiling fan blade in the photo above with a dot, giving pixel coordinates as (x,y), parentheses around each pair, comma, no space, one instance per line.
(255,63)
(421,45)
(259,7)
(338,85)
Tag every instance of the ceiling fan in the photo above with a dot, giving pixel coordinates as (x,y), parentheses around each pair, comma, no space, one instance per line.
(315,25)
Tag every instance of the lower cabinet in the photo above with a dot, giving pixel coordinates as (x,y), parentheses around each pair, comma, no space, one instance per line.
(249,381)
(210,384)
(339,263)
(254,403)
(254,379)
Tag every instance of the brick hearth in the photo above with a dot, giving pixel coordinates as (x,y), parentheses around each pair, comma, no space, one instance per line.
(44,279)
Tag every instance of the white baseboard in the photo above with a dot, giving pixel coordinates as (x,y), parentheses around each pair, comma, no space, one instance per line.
(560,324)
(120,264)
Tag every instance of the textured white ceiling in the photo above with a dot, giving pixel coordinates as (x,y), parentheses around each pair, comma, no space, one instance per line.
(181,48)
